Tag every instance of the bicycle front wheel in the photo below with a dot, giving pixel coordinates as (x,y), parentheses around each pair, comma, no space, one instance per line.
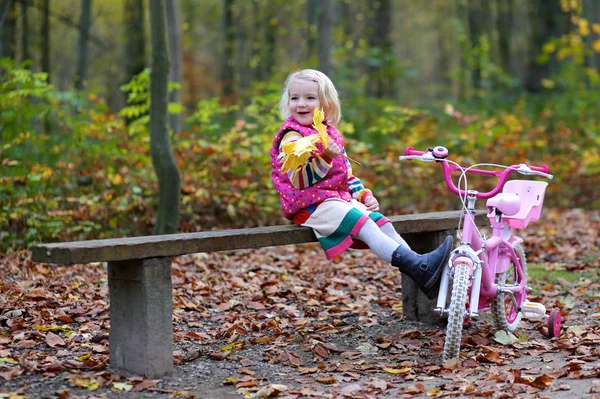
(456,313)
(504,313)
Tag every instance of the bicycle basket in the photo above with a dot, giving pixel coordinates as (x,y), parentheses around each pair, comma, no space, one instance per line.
(531,194)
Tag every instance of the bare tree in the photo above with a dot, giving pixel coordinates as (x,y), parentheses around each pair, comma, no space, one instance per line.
(167,219)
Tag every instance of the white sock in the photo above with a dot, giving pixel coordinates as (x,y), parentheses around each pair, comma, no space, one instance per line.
(377,240)
(391,232)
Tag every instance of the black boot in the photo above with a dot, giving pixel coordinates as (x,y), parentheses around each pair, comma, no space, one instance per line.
(425,269)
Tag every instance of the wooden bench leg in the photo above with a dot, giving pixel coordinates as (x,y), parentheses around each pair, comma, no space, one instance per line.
(141,325)
(415,305)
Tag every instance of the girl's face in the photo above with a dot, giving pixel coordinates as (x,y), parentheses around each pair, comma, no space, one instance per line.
(304,98)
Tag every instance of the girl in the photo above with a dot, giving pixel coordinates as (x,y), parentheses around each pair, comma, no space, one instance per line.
(324,194)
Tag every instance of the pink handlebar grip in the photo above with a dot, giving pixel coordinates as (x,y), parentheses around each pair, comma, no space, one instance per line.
(412,151)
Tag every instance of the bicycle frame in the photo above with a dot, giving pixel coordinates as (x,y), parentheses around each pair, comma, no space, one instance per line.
(489,273)
(486,257)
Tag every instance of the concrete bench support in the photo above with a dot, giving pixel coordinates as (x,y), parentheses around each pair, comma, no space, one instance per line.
(141,326)
(415,305)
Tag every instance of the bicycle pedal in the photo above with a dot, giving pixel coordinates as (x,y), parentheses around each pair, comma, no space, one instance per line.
(533,310)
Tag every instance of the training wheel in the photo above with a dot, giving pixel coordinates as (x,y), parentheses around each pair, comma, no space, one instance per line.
(553,323)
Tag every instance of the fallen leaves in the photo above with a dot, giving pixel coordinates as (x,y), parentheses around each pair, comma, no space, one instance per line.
(331,329)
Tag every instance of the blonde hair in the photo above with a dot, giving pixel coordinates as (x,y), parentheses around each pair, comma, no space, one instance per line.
(328,95)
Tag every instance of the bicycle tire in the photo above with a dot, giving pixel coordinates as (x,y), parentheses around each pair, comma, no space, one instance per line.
(504,314)
(456,312)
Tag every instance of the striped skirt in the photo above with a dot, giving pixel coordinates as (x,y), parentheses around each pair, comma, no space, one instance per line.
(337,222)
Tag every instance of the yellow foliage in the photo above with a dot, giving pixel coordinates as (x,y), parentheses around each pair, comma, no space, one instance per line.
(584,27)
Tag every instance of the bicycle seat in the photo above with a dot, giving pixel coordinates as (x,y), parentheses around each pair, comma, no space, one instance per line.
(507,203)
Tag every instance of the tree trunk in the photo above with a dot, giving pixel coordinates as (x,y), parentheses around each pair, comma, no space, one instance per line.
(475,14)
(504,25)
(46,38)
(8,25)
(462,84)
(84,39)
(444,45)
(325,38)
(135,46)
(25,31)
(547,21)
(312,24)
(270,45)
(382,82)
(176,120)
(227,75)
(167,220)
(596,14)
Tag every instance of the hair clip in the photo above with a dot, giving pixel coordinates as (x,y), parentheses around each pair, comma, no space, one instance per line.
(315,78)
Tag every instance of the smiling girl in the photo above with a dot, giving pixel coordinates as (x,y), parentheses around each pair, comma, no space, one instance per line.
(324,195)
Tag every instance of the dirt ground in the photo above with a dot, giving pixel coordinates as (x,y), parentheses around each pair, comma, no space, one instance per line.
(285,323)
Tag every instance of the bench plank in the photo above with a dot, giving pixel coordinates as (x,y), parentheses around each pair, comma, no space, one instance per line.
(158,246)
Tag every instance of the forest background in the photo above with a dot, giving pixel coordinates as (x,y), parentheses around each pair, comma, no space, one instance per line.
(503,81)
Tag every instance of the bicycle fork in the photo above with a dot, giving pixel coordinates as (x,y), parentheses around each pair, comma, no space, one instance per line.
(463,254)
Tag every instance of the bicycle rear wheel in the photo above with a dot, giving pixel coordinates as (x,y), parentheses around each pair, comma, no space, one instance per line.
(456,313)
(504,313)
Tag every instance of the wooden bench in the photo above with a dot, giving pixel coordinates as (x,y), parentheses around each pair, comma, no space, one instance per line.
(140,288)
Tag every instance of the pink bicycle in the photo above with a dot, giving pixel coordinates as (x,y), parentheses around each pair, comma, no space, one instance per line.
(489,273)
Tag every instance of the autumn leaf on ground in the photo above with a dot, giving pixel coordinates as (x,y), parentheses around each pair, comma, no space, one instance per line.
(122,386)
(505,338)
(88,383)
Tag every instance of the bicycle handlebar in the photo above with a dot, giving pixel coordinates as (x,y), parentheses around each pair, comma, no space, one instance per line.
(439,154)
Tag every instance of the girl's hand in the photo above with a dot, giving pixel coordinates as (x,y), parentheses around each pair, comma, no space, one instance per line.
(333,150)
(371,203)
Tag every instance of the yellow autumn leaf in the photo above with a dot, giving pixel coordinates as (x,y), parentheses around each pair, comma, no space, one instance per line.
(115,179)
(296,153)
(85,357)
(584,27)
(318,118)
(404,370)
(596,28)
(122,386)
(232,346)
(88,383)
(596,45)
(53,327)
